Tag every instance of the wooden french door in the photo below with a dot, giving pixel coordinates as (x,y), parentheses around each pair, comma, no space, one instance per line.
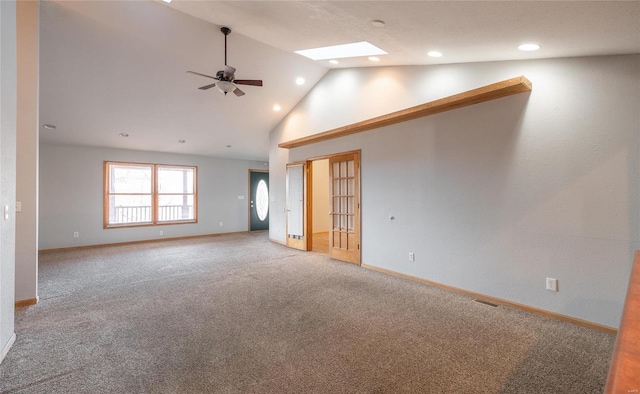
(344,205)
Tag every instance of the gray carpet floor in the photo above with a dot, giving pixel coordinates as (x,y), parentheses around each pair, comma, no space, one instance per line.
(239,314)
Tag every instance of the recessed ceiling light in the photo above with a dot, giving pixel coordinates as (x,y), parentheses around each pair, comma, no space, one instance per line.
(182,141)
(355,49)
(334,61)
(167,1)
(374,58)
(49,126)
(300,81)
(529,47)
(378,23)
(123,134)
(276,108)
(434,54)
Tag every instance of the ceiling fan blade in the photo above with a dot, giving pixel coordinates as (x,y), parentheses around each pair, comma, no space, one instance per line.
(202,75)
(207,86)
(238,92)
(229,71)
(252,82)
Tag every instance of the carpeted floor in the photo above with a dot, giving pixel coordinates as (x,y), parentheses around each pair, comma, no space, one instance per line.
(239,314)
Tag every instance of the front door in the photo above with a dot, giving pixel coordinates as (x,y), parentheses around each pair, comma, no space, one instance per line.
(344,205)
(258,200)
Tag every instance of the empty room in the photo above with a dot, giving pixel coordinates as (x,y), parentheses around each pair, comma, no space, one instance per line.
(319,196)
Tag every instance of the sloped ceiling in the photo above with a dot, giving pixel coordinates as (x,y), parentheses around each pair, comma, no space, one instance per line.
(111,67)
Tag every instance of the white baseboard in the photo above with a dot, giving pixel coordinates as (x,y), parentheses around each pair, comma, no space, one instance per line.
(5,350)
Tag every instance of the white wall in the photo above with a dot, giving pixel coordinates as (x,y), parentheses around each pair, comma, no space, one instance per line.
(7,171)
(320,190)
(27,145)
(71,196)
(496,197)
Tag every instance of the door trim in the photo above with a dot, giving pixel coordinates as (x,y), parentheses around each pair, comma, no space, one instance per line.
(309,185)
(249,196)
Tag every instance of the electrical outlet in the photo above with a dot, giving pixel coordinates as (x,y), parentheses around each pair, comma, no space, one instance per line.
(412,256)
(552,284)
(221,224)
(76,234)
(161,232)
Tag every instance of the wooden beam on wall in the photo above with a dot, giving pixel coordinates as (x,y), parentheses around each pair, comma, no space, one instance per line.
(624,371)
(486,93)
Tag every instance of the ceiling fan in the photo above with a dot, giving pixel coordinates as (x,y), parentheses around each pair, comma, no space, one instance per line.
(226,78)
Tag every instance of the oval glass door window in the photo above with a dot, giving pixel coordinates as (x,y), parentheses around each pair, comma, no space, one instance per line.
(262,200)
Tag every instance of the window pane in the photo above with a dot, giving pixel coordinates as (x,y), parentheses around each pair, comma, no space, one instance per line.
(262,200)
(131,194)
(130,179)
(125,209)
(172,207)
(175,180)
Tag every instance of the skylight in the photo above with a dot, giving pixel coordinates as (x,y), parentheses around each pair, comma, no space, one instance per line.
(355,49)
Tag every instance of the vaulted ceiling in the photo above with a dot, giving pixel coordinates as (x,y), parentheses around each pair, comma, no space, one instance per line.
(113,67)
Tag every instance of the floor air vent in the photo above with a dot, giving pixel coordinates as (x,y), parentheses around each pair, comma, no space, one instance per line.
(486,302)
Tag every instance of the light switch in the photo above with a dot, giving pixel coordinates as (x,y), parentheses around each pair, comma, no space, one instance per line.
(18,206)
(240,197)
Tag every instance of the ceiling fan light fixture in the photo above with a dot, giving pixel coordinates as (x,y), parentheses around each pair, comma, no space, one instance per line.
(225,86)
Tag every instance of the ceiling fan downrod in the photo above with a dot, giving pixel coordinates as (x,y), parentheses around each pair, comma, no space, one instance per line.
(226,31)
